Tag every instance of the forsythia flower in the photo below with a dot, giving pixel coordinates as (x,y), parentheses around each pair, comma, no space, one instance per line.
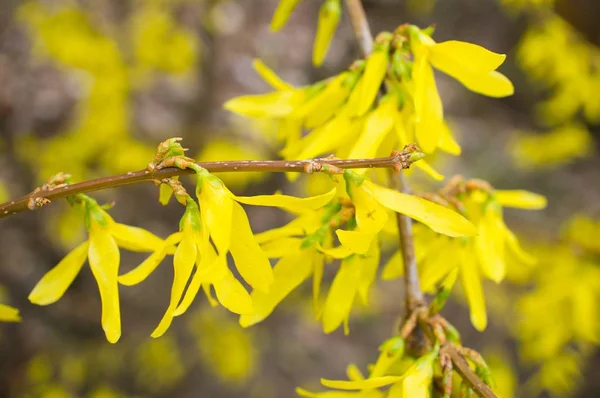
(484,255)
(102,251)
(472,65)
(9,314)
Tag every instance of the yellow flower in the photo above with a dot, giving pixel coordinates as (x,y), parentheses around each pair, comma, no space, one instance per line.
(472,65)
(371,201)
(9,314)
(102,251)
(282,13)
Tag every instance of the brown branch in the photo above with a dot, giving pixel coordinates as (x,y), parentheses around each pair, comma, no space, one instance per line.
(412,287)
(464,370)
(39,197)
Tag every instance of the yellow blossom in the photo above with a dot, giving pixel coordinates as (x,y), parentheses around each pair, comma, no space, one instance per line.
(329,18)
(102,251)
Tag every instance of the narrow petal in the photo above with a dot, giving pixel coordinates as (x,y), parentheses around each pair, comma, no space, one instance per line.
(269,76)
(281,247)
(377,126)
(471,284)
(55,283)
(375,71)
(370,265)
(490,245)
(436,217)
(366,384)
(430,171)
(429,112)
(341,295)
(299,227)
(452,55)
(290,203)
(324,139)
(520,199)
(447,142)
(134,238)
(216,206)
(104,258)
(288,274)
(183,264)
(355,241)
(9,314)
(329,18)
(370,215)
(141,272)
(271,105)
(394,268)
(512,244)
(252,263)
(338,252)
(325,104)
(232,295)
(437,263)
(282,13)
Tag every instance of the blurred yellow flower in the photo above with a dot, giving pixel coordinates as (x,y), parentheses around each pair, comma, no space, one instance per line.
(9,314)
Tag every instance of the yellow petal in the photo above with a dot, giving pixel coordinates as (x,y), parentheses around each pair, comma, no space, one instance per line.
(289,273)
(141,272)
(476,73)
(447,142)
(370,264)
(430,171)
(290,203)
(329,18)
(394,268)
(318,269)
(436,217)
(232,295)
(455,55)
(512,244)
(304,224)
(165,193)
(282,13)
(134,238)
(55,282)
(252,263)
(329,394)
(323,105)
(471,284)
(489,245)
(338,252)
(370,215)
(270,105)
(437,263)
(216,206)
(324,139)
(104,257)
(341,294)
(9,314)
(281,247)
(183,264)
(355,241)
(366,384)
(377,126)
(270,76)
(520,199)
(429,113)
(375,71)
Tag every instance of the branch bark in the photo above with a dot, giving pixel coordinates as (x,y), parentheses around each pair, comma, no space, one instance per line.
(465,372)
(396,161)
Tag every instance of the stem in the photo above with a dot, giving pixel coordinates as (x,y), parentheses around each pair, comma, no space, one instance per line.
(397,161)
(412,287)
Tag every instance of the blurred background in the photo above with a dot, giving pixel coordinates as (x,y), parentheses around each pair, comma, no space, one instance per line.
(90,87)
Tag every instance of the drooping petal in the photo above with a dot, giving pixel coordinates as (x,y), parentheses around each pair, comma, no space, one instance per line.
(269,76)
(324,139)
(141,272)
(290,203)
(355,241)
(281,247)
(370,265)
(429,112)
(134,238)
(341,294)
(436,217)
(490,245)
(430,171)
(9,314)
(447,142)
(436,264)
(282,13)
(232,295)
(289,272)
(104,258)
(375,71)
(512,244)
(252,263)
(366,384)
(338,252)
(326,103)
(270,105)
(471,284)
(183,264)
(377,126)
(476,73)
(55,283)
(216,205)
(520,199)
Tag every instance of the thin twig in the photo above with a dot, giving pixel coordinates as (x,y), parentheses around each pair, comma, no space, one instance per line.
(463,368)
(397,161)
